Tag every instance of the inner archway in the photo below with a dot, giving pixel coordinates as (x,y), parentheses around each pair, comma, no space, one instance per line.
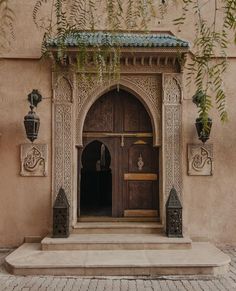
(96,180)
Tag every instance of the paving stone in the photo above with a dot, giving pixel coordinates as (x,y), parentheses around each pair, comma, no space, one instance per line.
(108,285)
(93,285)
(101,285)
(116,285)
(164,286)
(171,285)
(218,285)
(124,285)
(156,285)
(195,285)
(187,285)
(211,286)
(77,284)
(147,285)
(179,285)
(69,285)
(203,285)
(132,285)
(140,285)
(38,283)
(85,284)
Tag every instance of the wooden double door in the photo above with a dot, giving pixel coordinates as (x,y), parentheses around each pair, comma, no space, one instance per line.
(118,165)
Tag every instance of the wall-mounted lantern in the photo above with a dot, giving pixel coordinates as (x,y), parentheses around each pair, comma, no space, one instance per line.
(31,120)
(203,126)
(173,215)
(203,133)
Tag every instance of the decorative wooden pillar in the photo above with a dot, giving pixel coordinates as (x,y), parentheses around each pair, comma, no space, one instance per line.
(61,215)
(173,215)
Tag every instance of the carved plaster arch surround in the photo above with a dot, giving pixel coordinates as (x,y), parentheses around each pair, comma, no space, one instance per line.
(161,95)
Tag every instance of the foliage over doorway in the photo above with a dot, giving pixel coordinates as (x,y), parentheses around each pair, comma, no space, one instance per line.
(208,59)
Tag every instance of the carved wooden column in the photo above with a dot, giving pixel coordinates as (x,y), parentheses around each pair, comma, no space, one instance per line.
(62,136)
(172,134)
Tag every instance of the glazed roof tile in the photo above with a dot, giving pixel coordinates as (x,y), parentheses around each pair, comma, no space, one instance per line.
(122,39)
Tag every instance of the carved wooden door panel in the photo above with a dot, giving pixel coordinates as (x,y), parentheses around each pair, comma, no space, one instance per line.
(120,121)
(140,177)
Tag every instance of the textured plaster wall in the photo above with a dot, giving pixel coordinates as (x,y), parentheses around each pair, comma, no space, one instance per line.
(25,203)
(210,202)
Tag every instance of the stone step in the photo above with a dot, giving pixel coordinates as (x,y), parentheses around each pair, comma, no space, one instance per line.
(115,242)
(117,227)
(201,259)
(90,218)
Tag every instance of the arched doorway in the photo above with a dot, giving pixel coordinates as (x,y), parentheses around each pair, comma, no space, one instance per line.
(96,180)
(120,121)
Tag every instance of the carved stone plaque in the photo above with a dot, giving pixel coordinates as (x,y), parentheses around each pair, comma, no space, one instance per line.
(34,160)
(200,160)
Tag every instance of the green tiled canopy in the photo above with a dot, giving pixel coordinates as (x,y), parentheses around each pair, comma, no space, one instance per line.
(122,39)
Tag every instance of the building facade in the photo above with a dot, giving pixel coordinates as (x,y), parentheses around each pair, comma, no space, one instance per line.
(139,140)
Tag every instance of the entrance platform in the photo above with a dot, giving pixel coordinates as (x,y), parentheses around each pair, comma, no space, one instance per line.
(104,252)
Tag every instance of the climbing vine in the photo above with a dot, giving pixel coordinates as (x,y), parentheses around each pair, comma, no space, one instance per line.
(208,57)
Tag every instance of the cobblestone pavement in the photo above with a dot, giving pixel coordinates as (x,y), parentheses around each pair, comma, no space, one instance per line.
(169,283)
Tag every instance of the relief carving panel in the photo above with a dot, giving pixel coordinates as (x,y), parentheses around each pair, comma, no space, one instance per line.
(63,135)
(63,149)
(34,160)
(200,159)
(172,121)
(63,90)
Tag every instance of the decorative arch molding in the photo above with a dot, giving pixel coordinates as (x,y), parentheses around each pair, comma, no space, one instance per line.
(161,95)
(146,88)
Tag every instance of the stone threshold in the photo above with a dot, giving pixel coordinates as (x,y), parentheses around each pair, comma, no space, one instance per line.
(201,259)
(117,227)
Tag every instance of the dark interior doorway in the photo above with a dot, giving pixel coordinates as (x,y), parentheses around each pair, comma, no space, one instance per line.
(96,180)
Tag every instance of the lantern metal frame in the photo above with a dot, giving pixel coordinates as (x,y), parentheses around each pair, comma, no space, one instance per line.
(32,120)
(61,216)
(174,226)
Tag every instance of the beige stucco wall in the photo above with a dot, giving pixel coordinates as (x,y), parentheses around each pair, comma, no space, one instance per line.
(210,202)
(25,203)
